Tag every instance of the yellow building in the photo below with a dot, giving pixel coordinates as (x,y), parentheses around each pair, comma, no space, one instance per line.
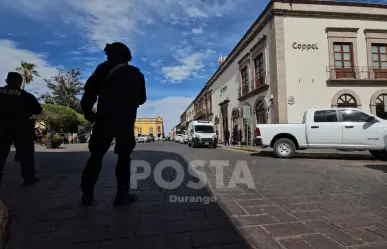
(149,126)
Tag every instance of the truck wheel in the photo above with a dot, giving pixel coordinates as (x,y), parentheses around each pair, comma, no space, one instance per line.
(284,148)
(379,154)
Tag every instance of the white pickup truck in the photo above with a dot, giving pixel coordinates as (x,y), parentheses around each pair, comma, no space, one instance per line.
(330,128)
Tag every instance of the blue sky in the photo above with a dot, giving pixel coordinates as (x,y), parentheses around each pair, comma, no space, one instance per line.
(175,43)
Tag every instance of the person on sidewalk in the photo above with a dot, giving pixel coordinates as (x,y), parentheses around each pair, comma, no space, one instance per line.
(226,137)
(120,89)
(16,108)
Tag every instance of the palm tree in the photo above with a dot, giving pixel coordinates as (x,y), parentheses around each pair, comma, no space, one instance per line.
(27,70)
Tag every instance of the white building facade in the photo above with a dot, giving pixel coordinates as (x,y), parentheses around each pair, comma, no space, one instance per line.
(300,55)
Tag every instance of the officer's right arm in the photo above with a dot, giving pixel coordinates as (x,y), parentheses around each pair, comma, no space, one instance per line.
(90,95)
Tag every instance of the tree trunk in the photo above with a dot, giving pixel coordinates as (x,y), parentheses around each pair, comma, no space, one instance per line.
(23,85)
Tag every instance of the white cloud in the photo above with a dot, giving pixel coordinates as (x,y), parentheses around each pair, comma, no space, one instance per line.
(53,43)
(60,35)
(75,52)
(167,109)
(191,63)
(195,12)
(157,63)
(197,30)
(102,21)
(11,57)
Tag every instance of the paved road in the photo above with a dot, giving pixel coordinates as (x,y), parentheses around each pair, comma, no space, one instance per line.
(296,204)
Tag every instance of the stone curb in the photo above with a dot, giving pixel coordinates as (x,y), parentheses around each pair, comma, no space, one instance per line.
(241,149)
(4,218)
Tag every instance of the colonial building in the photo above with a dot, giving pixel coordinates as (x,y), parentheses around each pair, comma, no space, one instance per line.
(299,55)
(149,126)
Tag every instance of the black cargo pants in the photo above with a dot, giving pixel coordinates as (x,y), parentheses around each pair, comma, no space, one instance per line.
(20,134)
(99,143)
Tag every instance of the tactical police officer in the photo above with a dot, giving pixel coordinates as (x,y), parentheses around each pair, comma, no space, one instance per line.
(120,89)
(16,108)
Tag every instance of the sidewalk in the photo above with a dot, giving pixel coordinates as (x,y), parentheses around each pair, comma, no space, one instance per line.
(48,216)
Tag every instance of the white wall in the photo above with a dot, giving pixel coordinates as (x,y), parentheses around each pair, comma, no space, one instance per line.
(190,112)
(231,78)
(306,74)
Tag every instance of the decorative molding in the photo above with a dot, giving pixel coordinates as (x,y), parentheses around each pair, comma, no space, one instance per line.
(346,91)
(245,60)
(379,31)
(341,29)
(258,46)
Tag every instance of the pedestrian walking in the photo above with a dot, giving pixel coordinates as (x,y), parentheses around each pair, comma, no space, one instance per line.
(226,137)
(16,108)
(120,89)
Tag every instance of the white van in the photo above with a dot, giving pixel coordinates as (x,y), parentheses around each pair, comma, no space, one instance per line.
(202,133)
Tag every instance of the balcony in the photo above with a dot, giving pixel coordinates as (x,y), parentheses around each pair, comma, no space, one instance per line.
(356,75)
(201,113)
(254,86)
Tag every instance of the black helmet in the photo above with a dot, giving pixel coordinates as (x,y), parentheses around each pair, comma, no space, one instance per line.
(118,48)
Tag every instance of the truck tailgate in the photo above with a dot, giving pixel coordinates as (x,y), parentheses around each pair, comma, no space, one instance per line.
(267,132)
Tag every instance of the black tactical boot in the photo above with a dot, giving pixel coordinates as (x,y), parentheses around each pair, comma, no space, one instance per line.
(87,198)
(123,197)
(31,181)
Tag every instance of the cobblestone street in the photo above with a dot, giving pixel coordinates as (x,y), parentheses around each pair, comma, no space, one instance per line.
(298,203)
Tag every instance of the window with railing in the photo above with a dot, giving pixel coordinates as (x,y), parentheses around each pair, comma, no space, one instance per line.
(150,129)
(259,69)
(344,66)
(139,130)
(379,60)
(245,81)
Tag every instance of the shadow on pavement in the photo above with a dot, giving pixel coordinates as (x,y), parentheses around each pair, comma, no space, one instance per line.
(311,155)
(48,214)
(380,167)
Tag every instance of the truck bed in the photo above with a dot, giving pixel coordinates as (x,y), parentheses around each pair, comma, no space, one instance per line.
(269,131)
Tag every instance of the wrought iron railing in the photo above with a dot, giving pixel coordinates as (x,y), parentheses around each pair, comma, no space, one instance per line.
(253,84)
(357,73)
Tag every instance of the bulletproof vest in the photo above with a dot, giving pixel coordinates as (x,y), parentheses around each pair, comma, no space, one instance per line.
(120,89)
(13,103)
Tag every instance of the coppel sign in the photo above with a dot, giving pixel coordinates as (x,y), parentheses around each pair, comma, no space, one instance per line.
(304,46)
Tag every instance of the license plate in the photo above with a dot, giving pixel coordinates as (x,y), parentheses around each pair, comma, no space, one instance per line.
(206,143)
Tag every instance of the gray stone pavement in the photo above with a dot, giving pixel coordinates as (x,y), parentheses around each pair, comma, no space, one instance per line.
(297,203)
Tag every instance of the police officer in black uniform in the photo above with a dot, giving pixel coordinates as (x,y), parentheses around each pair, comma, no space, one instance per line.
(120,89)
(16,108)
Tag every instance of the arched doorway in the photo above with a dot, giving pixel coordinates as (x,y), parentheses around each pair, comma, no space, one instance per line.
(235,124)
(381,106)
(216,121)
(246,123)
(260,112)
(347,101)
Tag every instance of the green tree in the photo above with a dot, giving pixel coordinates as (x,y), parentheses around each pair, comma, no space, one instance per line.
(60,118)
(65,87)
(27,70)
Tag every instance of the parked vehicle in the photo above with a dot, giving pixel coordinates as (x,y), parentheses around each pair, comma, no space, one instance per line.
(330,128)
(202,133)
(183,139)
(144,139)
(177,138)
